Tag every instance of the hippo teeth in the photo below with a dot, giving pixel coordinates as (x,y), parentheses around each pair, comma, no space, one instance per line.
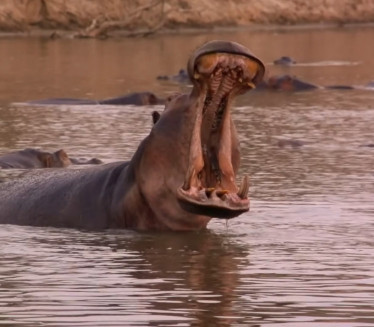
(244,188)
(209,185)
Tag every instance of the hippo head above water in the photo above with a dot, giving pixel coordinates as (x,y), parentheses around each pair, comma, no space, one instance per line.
(34,158)
(192,155)
(288,83)
(183,173)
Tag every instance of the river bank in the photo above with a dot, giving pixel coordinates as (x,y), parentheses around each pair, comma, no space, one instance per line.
(94,18)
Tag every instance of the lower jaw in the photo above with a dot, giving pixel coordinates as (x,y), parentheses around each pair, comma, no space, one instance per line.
(232,207)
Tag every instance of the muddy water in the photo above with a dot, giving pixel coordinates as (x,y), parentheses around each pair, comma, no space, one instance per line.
(303,256)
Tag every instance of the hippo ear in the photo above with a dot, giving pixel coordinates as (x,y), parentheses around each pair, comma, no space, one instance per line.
(155,116)
(171,98)
(61,154)
(63,159)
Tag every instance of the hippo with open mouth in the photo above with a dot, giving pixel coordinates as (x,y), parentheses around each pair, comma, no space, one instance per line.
(182,174)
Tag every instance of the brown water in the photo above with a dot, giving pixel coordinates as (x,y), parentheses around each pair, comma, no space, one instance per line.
(304,254)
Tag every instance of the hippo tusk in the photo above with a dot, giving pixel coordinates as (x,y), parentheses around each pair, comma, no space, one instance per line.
(244,188)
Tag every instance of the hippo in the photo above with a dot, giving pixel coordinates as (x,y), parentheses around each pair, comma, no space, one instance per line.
(183,174)
(284,61)
(181,77)
(136,98)
(293,143)
(286,83)
(33,158)
(292,83)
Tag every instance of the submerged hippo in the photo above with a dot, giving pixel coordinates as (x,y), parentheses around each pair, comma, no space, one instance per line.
(182,174)
(136,98)
(284,61)
(33,158)
(181,77)
(293,143)
(292,83)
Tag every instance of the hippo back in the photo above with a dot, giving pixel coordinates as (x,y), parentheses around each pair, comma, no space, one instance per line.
(79,198)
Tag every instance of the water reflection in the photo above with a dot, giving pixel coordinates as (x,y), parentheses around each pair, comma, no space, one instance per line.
(135,278)
(302,256)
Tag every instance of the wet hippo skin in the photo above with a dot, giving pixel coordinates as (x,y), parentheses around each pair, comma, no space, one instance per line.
(181,176)
(136,98)
(33,158)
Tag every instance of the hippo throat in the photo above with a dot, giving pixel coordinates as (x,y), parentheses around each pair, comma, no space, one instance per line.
(210,182)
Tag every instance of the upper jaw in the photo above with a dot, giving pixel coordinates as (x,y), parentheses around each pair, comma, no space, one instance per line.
(257,68)
(219,70)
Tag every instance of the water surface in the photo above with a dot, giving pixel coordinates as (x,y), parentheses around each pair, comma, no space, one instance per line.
(302,256)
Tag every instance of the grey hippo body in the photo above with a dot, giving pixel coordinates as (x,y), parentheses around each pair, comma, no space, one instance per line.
(34,158)
(136,98)
(181,176)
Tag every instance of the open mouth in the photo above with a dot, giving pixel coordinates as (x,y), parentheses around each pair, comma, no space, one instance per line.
(219,73)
